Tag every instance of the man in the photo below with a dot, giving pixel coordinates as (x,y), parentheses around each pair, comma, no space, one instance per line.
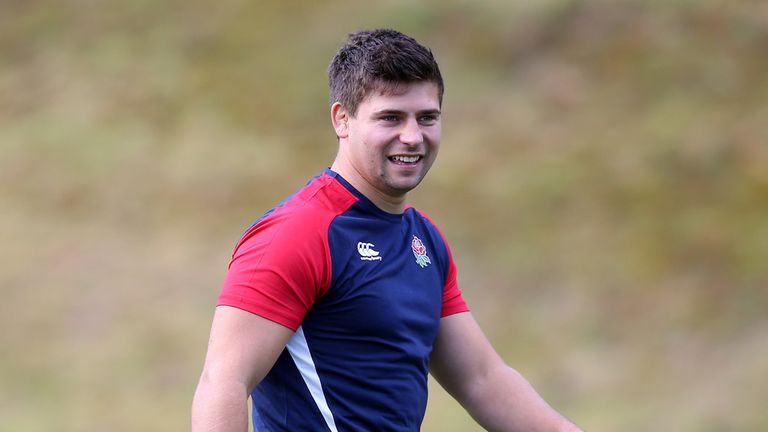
(339,301)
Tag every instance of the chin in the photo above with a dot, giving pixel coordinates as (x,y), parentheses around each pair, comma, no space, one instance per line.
(400,184)
(404,187)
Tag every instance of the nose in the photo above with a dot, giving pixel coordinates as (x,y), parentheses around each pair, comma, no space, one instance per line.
(411,133)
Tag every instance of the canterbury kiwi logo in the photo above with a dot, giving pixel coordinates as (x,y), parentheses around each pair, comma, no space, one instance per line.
(367,253)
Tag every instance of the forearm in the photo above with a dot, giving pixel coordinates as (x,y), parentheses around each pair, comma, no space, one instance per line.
(219,407)
(505,401)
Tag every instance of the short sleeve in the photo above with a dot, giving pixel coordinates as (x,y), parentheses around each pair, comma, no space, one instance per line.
(279,268)
(453,302)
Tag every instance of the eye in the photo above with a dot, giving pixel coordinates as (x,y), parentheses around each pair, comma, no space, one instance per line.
(429,119)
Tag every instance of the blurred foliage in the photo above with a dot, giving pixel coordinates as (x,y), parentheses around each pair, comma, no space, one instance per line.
(603,181)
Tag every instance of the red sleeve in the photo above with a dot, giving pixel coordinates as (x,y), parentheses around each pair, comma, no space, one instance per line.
(280,267)
(453,302)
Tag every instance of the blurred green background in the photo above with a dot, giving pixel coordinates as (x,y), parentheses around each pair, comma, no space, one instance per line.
(603,182)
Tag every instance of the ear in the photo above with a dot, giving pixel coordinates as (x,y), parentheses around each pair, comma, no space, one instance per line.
(340,118)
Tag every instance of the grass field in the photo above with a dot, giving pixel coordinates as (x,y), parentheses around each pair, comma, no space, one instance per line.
(603,182)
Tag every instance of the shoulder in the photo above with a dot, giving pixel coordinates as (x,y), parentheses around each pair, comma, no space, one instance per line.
(305,215)
(285,254)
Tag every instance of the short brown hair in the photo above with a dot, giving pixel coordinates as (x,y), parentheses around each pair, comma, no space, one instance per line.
(371,58)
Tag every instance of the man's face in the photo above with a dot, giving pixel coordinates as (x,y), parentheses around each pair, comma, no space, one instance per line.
(394,138)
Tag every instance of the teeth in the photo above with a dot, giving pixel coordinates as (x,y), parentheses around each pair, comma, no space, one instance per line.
(405,159)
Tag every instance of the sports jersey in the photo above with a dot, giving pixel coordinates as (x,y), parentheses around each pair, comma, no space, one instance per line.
(364,291)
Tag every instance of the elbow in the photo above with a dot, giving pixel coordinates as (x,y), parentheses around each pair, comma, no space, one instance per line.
(480,391)
(219,404)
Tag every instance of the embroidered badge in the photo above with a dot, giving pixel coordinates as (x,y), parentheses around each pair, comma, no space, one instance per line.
(420,252)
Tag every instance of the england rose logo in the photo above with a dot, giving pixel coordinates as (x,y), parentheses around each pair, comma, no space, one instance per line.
(420,252)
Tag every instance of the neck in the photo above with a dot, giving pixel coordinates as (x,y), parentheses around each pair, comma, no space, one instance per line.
(388,203)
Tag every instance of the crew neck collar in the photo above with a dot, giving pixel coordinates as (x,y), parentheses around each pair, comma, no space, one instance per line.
(365,202)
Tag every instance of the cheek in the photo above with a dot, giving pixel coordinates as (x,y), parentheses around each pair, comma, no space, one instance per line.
(434,132)
(374,144)
(376,136)
(434,137)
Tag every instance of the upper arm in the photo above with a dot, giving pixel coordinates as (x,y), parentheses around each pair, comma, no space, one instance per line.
(278,270)
(462,356)
(243,346)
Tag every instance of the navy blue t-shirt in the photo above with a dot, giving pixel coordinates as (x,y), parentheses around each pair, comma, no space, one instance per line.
(364,291)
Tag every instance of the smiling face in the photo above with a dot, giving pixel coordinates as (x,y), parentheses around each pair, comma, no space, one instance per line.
(387,147)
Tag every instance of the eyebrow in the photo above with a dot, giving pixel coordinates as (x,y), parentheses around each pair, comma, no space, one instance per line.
(399,112)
